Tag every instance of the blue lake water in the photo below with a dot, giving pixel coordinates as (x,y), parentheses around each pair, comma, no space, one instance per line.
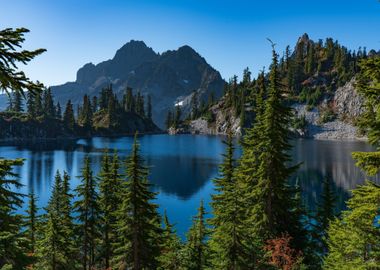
(181,167)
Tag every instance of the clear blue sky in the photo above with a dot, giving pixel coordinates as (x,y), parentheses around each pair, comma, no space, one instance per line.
(231,35)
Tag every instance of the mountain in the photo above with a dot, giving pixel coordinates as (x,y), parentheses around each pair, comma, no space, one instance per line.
(169,78)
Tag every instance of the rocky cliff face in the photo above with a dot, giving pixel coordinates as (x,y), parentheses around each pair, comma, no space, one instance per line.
(224,119)
(169,78)
(348,103)
(345,107)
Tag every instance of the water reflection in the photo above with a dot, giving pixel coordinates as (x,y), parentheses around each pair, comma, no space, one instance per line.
(181,167)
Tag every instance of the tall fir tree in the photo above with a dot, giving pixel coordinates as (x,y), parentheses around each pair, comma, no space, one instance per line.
(196,249)
(68,116)
(48,104)
(138,227)
(12,243)
(228,236)
(31,223)
(110,194)
(30,105)
(17,101)
(170,257)
(263,171)
(51,243)
(87,210)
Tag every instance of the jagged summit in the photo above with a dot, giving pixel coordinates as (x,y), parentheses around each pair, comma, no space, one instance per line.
(167,78)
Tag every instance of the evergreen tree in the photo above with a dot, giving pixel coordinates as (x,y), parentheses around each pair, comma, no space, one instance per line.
(51,244)
(86,113)
(38,109)
(48,104)
(263,170)
(129,102)
(94,104)
(12,244)
(138,227)
(31,223)
(110,187)
(17,101)
(354,240)
(68,116)
(69,248)
(170,256)
(196,249)
(229,233)
(325,212)
(12,79)
(30,105)
(87,210)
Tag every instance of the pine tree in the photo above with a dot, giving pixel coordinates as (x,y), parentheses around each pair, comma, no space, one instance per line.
(69,248)
(87,210)
(17,101)
(325,212)
(12,244)
(196,249)
(48,104)
(30,105)
(170,256)
(129,102)
(12,79)
(263,171)
(38,109)
(68,116)
(138,227)
(86,113)
(51,243)
(31,223)
(110,187)
(94,104)
(354,240)
(228,234)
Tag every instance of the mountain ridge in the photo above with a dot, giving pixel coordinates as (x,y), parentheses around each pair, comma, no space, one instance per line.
(168,77)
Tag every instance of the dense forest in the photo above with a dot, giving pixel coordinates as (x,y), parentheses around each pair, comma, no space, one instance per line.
(103,115)
(110,221)
(310,74)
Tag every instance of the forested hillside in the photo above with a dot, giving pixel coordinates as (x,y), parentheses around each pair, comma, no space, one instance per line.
(311,74)
(41,118)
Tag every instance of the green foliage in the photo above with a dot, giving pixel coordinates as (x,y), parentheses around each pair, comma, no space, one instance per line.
(87,209)
(354,240)
(110,198)
(138,226)
(11,78)
(171,257)
(12,243)
(299,122)
(68,116)
(196,255)
(54,249)
(32,221)
(229,236)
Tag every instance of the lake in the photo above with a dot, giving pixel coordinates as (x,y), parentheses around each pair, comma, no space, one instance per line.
(182,167)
